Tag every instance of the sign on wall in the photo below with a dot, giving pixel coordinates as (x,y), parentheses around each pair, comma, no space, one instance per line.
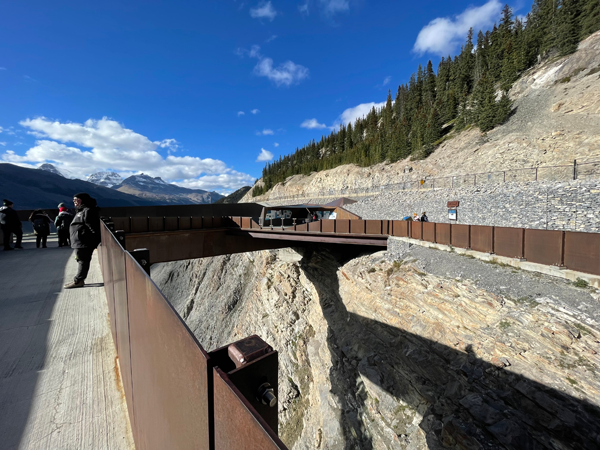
(452,214)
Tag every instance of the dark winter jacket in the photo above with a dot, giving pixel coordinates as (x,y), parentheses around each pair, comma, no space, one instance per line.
(85,227)
(9,218)
(41,223)
(63,221)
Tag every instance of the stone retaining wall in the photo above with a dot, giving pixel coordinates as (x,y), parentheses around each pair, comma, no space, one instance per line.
(573,205)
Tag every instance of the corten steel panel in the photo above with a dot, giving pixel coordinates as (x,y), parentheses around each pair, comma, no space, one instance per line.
(328,226)
(442,233)
(293,238)
(185,223)
(342,226)
(544,247)
(373,226)
(122,322)
(302,227)
(254,223)
(246,222)
(170,371)
(196,223)
(236,209)
(428,231)
(314,226)
(207,222)
(156,224)
(481,238)
(139,224)
(121,223)
(508,242)
(460,236)
(171,223)
(357,226)
(236,428)
(217,222)
(400,228)
(191,244)
(415,230)
(582,252)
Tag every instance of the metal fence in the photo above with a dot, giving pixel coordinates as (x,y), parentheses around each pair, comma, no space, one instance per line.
(178,395)
(573,171)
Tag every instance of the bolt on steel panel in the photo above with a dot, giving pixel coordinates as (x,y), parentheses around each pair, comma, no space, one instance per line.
(314,226)
(170,371)
(139,224)
(357,226)
(400,228)
(544,246)
(428,231)
(442,233)
(508,242)
(415,230)
(482,238)
(460,236)
(236,428)
(328,226)
(121,223)
(582,252)
(373,226)
(342,226)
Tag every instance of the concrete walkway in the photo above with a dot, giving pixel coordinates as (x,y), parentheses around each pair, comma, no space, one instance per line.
(59,381)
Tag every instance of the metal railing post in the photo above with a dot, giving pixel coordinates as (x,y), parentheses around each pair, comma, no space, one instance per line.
(142,256)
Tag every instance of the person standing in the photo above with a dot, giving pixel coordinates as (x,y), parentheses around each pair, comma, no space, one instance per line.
(85,235)
(10,224)
(62,224)
(41,227)
(424,217)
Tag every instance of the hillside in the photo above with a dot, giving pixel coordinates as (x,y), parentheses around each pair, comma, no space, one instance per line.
(160,192)
(34,188)
(555,120)
(234,197)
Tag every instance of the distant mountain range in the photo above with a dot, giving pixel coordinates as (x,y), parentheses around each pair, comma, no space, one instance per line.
(234,197)
(34,188)
(154,190)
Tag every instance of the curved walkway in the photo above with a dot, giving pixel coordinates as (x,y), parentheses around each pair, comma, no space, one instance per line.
(59,381)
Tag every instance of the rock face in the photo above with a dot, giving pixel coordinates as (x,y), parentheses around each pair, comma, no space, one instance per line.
(106,179)
(406,351)
(50,168)
(556,120)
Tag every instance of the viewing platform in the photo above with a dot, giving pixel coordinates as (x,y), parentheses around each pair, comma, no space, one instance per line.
(59,378)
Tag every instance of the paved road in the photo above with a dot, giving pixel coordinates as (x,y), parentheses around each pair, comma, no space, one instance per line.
(59,384)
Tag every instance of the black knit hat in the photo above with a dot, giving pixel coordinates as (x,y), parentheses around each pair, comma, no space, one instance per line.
(7,202)
(85,198)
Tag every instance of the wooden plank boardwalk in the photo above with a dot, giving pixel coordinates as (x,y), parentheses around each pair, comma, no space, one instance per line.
(59,381)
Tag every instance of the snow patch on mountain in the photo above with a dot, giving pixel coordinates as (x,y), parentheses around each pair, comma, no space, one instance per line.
(106,179)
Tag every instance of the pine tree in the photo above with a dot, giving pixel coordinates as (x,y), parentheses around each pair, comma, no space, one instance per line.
(503,109)
(590,22)
(567,35)
(485,103)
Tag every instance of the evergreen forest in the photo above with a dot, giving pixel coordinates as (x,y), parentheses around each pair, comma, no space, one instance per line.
(470,89)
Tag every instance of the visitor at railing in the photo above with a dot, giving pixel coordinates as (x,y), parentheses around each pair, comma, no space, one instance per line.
(11,224)
(41,227)
(85,235)
(62,224)
(424,217)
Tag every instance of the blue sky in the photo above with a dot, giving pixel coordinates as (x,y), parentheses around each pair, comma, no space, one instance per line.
(197,92)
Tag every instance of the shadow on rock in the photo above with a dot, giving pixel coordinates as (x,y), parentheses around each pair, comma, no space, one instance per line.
(396,380)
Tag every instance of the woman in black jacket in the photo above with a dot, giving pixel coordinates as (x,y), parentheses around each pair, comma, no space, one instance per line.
(41,226)
(85,235)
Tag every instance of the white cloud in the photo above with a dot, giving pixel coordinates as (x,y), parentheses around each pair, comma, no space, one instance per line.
(263,10)
(271,39)
(222,182)
(255,111)
(30,79)
(276,144)
(114,147)
(265,132)
(3,144)
(351,114)
(2,68)
(285,74)
(240,113)
(312,124)
(386,80)
(1,129)
(442,35)
(264,155)
(303,8)
(331,7)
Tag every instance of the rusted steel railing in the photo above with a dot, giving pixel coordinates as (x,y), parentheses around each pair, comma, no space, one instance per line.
(178,395)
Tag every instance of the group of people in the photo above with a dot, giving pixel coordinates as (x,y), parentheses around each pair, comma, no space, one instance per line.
(416,218)
(80,231)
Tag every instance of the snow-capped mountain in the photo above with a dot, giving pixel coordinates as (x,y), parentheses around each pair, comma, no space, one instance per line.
(106,179)
(50,168)
(158,190)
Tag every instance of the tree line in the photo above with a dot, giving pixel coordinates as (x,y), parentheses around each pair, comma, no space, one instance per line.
(469,89)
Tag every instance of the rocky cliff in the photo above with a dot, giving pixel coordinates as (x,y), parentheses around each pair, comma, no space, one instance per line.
(555,121)
(422,350)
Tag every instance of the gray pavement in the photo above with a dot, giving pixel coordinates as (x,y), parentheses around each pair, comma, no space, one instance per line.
(59,381)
